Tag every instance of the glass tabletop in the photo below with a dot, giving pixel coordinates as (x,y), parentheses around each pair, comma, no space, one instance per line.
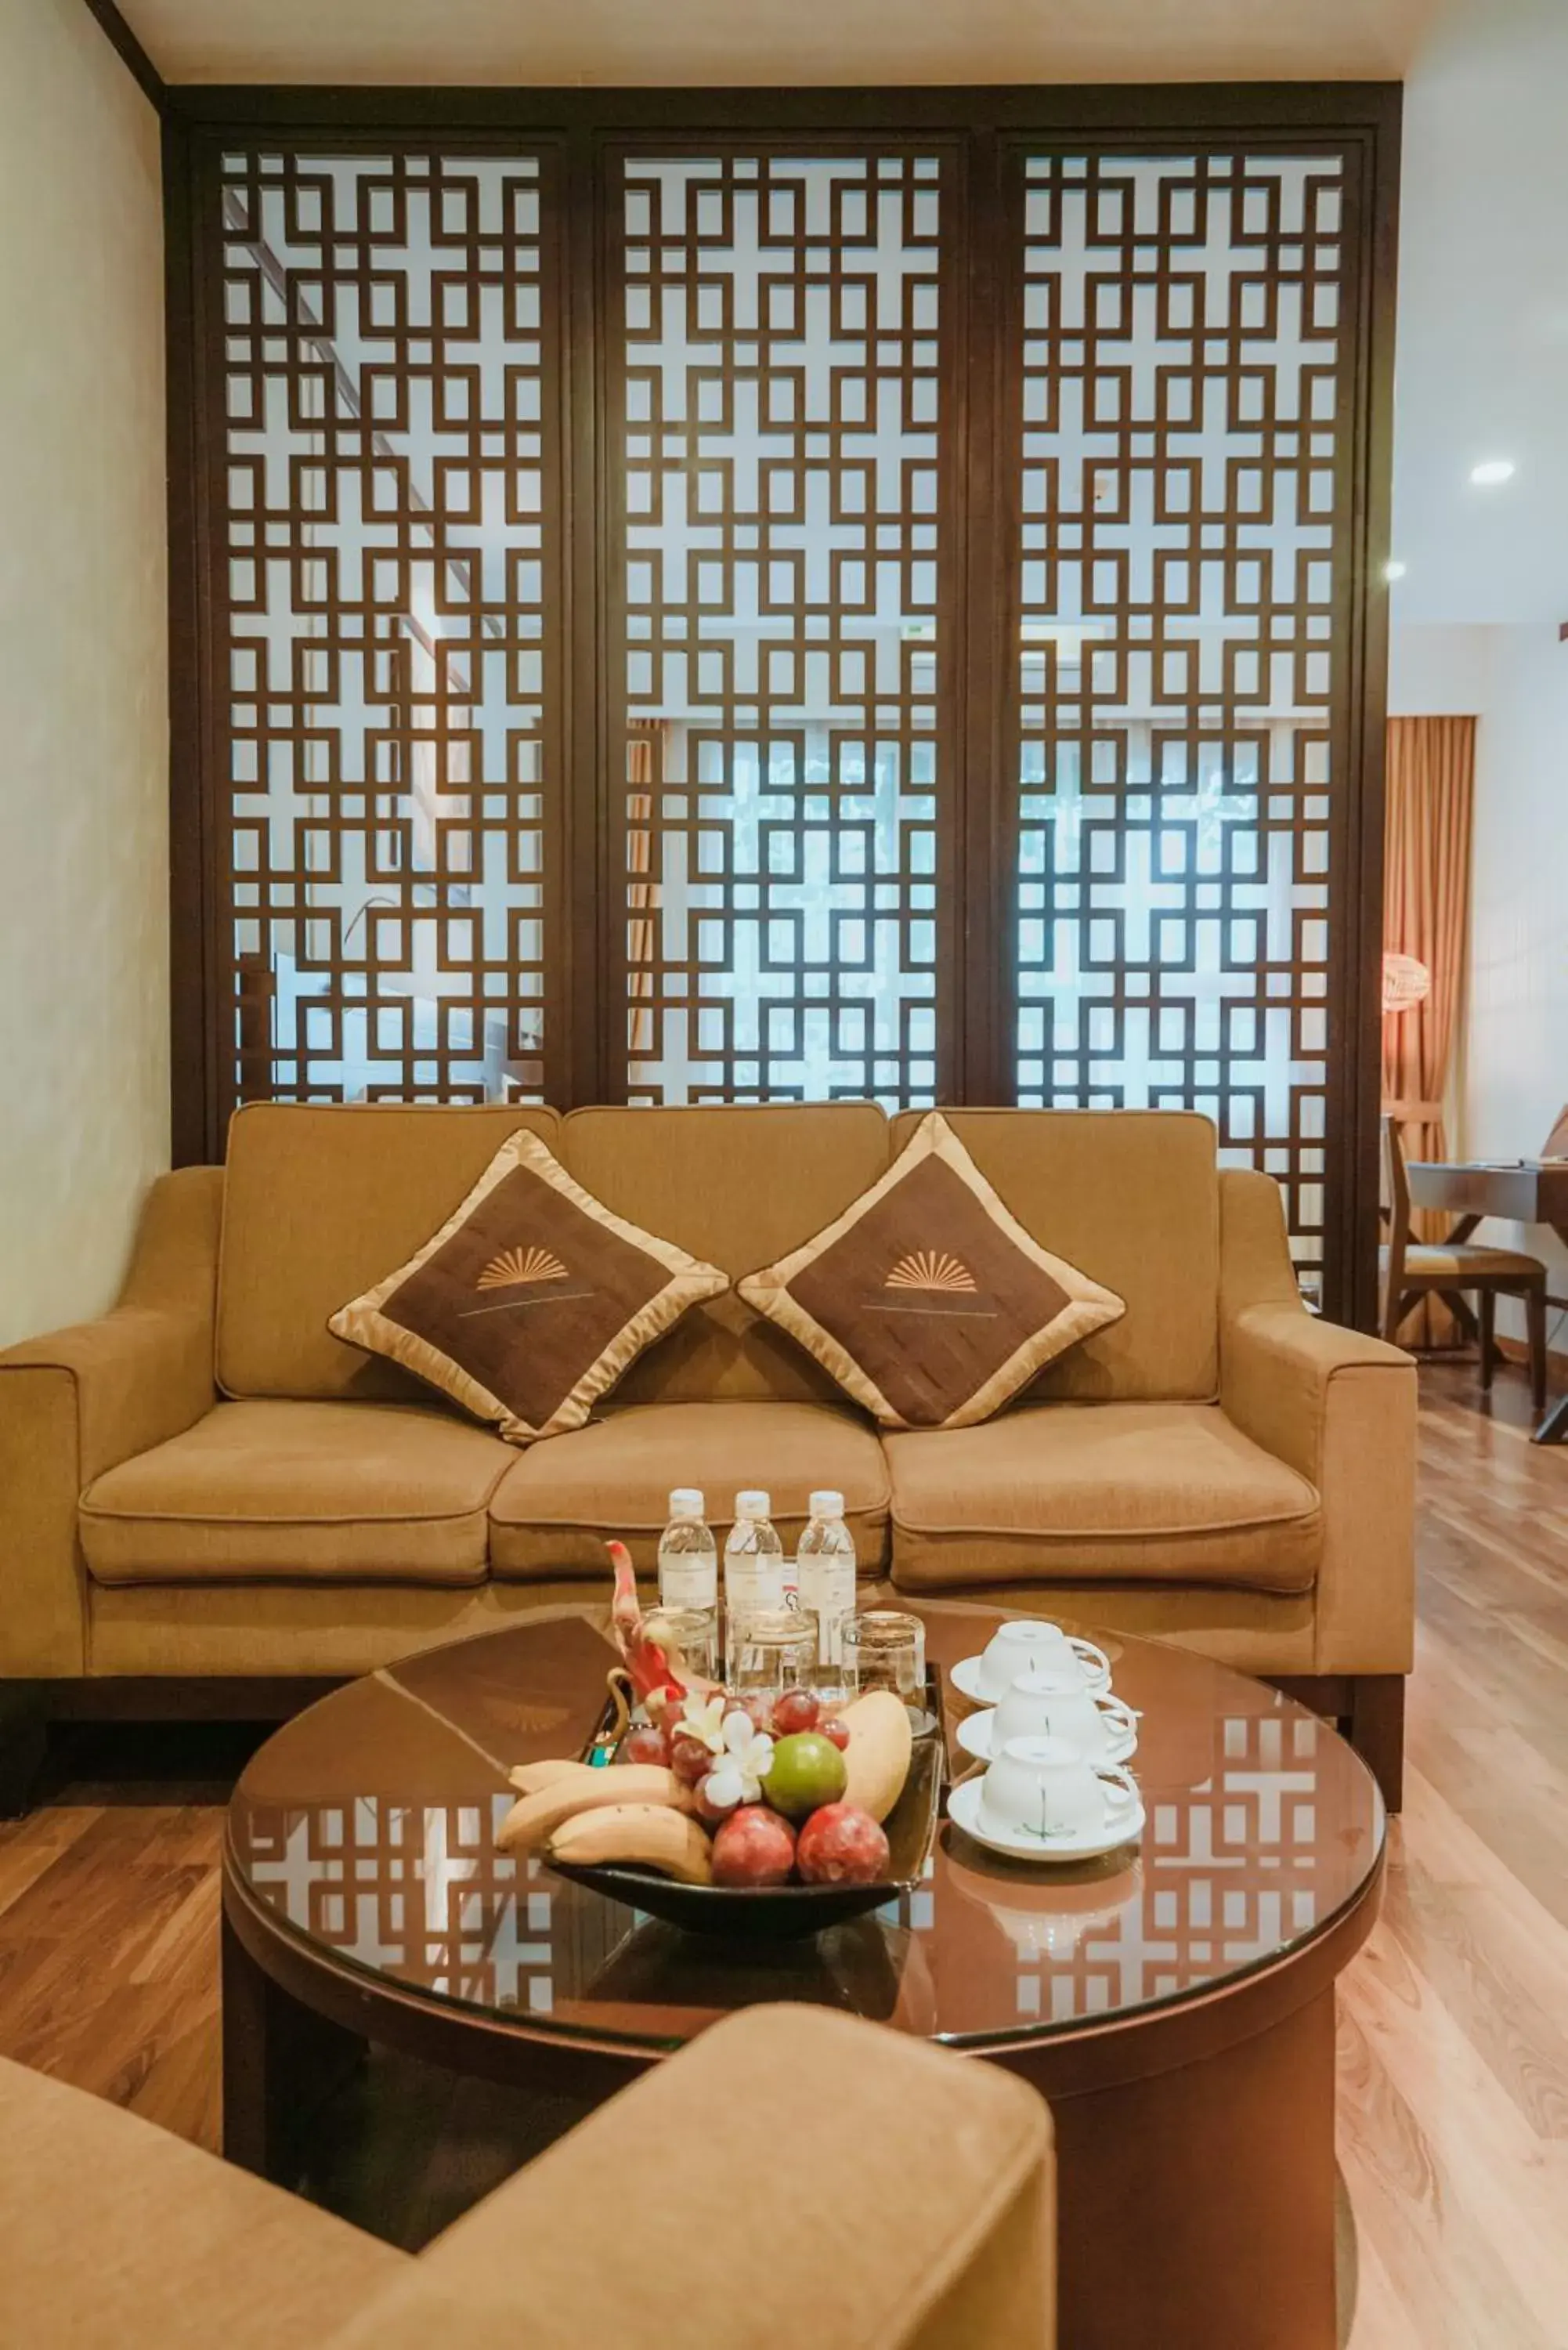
(366,1827)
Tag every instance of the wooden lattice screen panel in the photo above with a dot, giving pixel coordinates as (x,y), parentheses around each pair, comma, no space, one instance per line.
(1184,432)
(387,493)
(780,410)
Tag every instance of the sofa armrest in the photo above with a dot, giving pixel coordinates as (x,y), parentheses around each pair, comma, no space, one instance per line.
(794,2175)
(1340,1409)
(83,1399)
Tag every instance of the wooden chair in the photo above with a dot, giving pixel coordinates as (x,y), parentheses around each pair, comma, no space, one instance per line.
(1410,1267)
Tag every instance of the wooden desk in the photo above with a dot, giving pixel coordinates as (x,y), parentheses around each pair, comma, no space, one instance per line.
(1525,1191)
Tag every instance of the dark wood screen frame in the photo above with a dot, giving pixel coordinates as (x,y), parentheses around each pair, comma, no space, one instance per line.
(1358,120)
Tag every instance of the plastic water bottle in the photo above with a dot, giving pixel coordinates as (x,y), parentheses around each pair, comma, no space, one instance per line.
(825,1561)
(688,1555)
(753,1558)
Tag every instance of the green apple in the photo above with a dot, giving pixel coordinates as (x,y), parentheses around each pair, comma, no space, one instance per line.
(807,1771)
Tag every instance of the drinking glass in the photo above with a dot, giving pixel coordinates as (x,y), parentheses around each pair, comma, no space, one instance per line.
(883,1649)
(688,1636)
(769,1651)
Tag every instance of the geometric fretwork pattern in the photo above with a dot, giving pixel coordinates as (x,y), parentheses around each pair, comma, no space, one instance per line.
(778,381)
(1234,1869)
(387,387)
(1183,420)
(1230,1877)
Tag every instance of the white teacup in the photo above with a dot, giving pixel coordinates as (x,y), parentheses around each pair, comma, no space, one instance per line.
(1030,1644)
(1047,1790)
(1054,1702)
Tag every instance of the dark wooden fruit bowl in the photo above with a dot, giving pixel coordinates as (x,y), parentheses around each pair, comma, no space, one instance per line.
(784,1912)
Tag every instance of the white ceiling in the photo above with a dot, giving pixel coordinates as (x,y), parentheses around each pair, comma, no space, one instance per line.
(685,42)
(1483,318)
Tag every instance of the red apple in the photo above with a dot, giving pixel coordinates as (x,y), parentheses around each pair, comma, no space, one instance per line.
(644,1744)
(754,1846)
(798,1709)
(842,1845)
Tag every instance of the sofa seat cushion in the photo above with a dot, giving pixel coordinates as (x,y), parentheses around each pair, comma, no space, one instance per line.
(565,1497)
(1141,1493)
(333,1492)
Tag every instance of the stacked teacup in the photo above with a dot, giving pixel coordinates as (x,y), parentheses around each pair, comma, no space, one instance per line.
(1053,1737)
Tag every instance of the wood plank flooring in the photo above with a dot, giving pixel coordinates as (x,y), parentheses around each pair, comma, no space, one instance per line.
(1453,2023)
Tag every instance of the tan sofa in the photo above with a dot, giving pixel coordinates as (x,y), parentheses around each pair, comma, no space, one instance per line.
(776,2224)
(206,1483)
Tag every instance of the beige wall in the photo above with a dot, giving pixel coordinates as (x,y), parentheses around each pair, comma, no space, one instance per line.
(1515,1074)
(1511,1072)
(83,1056)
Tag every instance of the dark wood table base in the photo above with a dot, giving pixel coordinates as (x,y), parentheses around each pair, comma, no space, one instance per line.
(1195,2198)
(1196,2207)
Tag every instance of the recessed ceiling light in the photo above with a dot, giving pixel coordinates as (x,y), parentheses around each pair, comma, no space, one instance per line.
(1392,571)
(1487,477)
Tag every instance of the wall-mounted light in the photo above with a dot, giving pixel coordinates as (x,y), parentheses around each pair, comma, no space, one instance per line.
(1493,471)
(1392,571)
(1407,981)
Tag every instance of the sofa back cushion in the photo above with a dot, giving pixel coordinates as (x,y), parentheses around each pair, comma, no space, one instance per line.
(318,1203)
(739,1186)
(1132,1198)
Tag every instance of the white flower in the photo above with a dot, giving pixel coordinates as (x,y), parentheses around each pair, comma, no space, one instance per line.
(748,1757)
(703,1720)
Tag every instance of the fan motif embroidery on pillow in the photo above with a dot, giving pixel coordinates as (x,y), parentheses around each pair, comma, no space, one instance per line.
(933,1282)
(519,1264)
(928,1270)
(523,1268)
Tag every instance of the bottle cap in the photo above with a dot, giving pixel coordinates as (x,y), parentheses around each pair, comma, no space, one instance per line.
(827,1505)
(753,1504)
(686,1502)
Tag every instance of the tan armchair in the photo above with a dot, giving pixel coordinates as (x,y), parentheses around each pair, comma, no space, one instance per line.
(793,2176)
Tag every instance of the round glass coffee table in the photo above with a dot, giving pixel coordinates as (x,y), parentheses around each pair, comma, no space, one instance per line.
(1174,2003)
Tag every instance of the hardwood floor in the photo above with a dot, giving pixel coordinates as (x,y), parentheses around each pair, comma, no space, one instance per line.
(1453,2023)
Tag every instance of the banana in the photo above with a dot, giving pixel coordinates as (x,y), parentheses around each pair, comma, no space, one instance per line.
(529,1777)
(877,1759)
(652,1836)
(530,1822)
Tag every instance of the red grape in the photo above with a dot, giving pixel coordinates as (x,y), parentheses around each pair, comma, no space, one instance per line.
(760,1709)
(838,1730)
(798,1709)
(644,1744)
(705,1808)
(689,1759)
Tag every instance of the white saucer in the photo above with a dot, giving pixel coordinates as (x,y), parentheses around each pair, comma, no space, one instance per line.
(973,1734)
(965,1678)
(963,1805)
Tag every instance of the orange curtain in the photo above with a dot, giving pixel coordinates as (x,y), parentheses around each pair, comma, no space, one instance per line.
(1426,913)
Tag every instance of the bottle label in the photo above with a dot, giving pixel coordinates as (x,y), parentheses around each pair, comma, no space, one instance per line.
(686,1579)
(754,1583)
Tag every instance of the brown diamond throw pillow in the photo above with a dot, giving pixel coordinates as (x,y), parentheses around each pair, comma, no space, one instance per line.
(531,1301)
(927,1300)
